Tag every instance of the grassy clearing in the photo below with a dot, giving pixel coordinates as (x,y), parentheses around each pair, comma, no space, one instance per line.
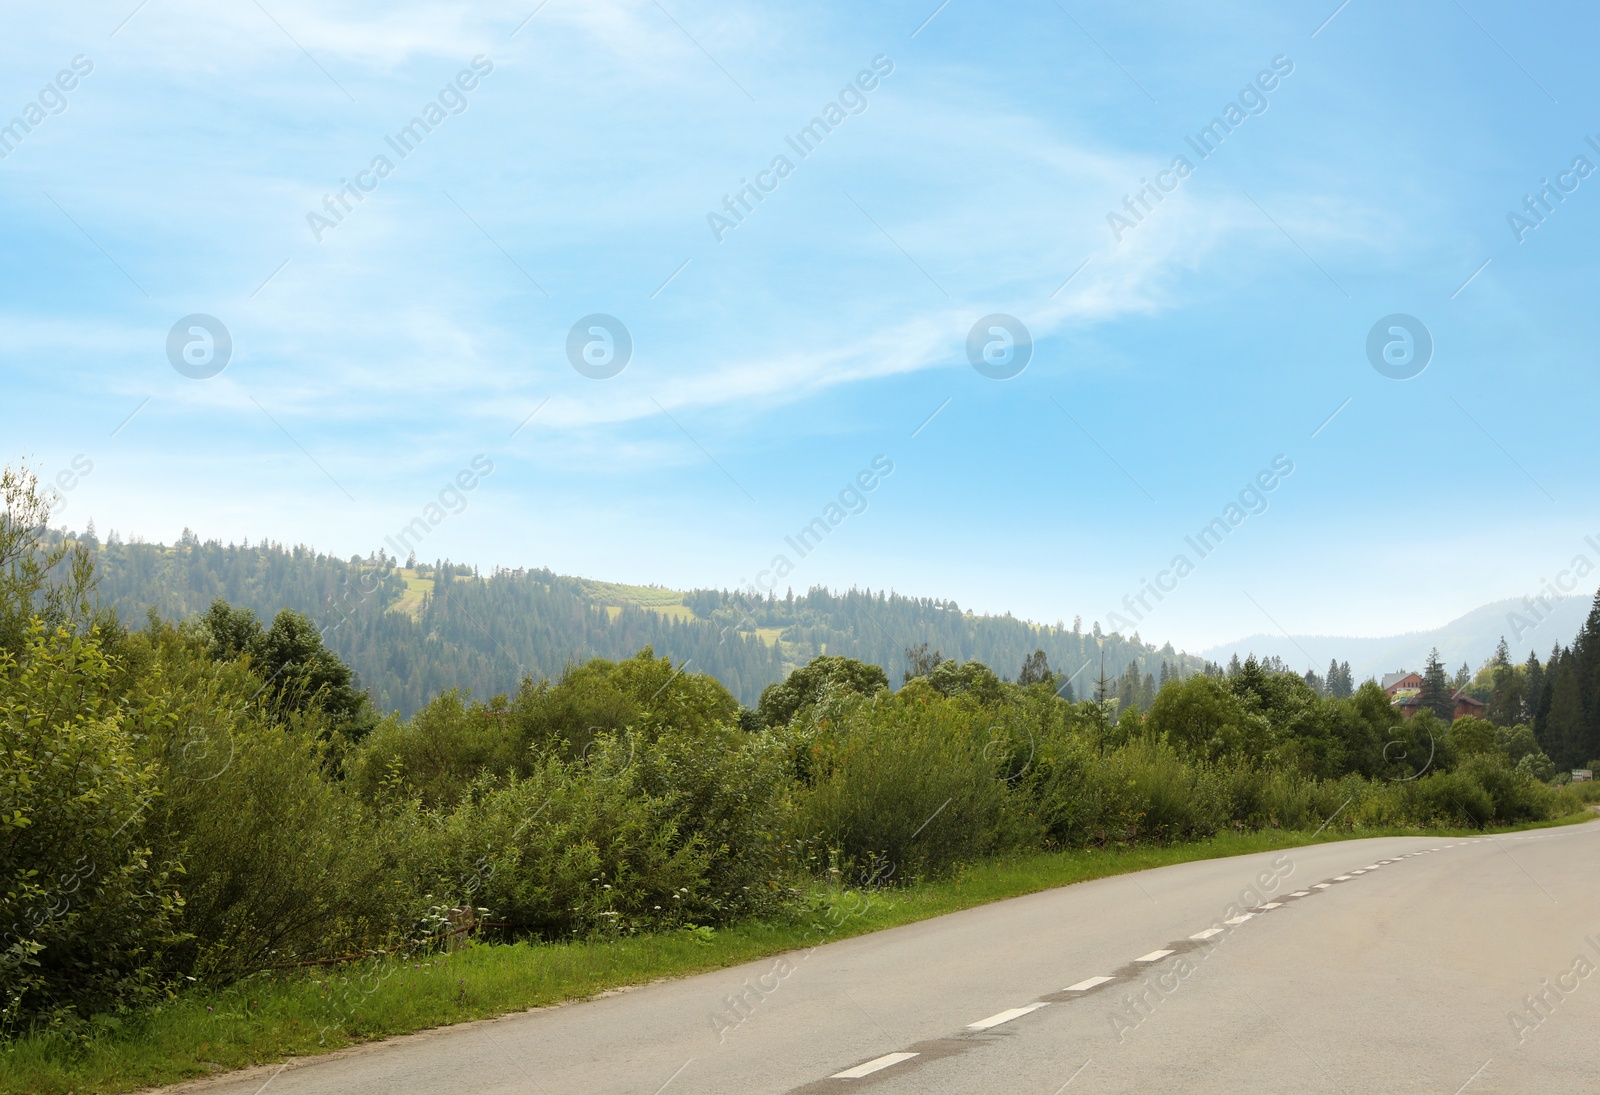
(303,1013)
(417,589)
(616,593)
(671,612)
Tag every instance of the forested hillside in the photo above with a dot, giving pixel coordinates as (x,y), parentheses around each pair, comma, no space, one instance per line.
(410,633)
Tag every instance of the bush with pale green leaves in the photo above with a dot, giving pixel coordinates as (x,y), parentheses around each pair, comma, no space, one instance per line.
(89,907)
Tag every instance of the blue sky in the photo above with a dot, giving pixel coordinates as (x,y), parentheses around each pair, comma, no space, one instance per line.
(1179,360)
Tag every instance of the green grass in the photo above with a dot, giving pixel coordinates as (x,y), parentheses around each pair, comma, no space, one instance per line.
(410,601)
(273,1016)
(615,593)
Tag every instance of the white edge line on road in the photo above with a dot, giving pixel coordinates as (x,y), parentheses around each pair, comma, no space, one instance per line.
(1270,905)
(1085,986)
(1240,919)
(1207,934)
(1301,893)
(1344,878)
(1153,956)
(1006,1016)
(877,1064)
(1320,885)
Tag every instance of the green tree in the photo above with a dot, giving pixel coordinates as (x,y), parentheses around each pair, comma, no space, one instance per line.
(1036,670)
(1532,686)
(50,581)
(1128,690)
(1473,737)
(1586,659)
(1560,726)
(1507,702)
(602,697)
(1436,691)
(808,684)
(950,678)
(297,670)
(919,662)
(1202,717)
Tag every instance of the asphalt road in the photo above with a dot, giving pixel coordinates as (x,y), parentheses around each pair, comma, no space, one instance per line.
(1393,965)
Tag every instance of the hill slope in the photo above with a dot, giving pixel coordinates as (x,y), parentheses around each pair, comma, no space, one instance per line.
(412,633)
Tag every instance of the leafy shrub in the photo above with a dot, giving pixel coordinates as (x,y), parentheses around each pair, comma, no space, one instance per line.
(907,779)
(1174,801)
(437,753)
(87,908)
(643,693)
(283,863)
(639,834)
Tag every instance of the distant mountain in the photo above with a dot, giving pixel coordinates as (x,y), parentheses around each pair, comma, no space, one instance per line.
(411,632)
(1526,626)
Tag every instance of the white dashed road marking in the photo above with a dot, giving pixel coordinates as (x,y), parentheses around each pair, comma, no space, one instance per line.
(1005,1017)
(1085,986)
(877,1064)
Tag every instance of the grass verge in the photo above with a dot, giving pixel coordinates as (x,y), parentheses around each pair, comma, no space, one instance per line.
(271,1016)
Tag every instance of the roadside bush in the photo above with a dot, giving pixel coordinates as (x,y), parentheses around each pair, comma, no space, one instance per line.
(639,834)
(1449,799)
(571,850)
(907,780)
(437,753)
(283,863)
(1078,800)
(1174,801)
(731,792)
(87,908)
(1514,796)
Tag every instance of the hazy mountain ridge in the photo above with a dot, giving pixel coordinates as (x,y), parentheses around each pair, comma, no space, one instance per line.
(1470,638)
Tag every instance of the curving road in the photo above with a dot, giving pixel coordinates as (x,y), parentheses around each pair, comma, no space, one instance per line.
(1445,966)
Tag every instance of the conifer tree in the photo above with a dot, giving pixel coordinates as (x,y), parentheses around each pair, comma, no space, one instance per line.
(1436,690)
(1035,670)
